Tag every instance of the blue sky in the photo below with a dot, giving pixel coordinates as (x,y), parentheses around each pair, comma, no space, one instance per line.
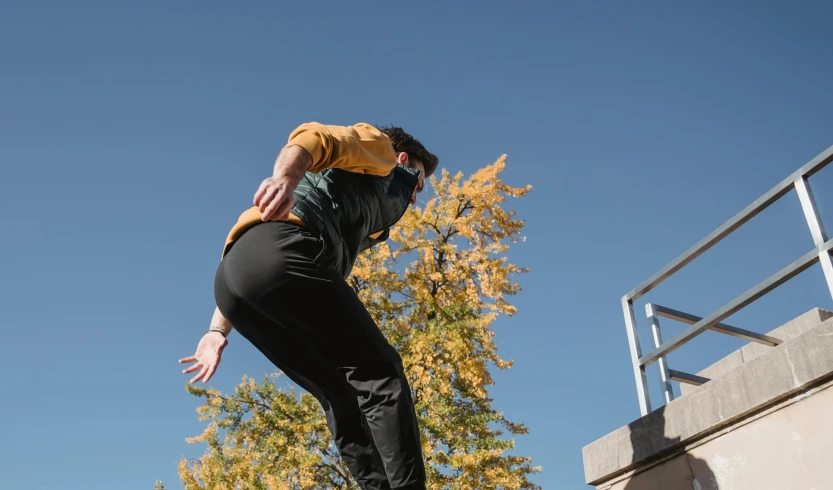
(131,137)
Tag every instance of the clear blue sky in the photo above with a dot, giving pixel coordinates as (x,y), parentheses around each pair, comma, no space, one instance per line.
(131,136)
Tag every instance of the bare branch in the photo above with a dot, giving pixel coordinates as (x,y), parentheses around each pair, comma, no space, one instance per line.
(342,471)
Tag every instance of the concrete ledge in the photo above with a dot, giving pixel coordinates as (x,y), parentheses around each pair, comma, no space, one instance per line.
(768,378)
(788,331)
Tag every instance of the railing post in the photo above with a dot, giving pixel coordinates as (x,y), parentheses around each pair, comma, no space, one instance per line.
(811,213)
(636,353)
(664,376)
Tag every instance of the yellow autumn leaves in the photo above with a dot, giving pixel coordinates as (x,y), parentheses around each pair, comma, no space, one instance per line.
(434,288)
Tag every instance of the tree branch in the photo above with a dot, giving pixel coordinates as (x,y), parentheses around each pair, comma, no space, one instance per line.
(342,472)
(468,205)
(255,403)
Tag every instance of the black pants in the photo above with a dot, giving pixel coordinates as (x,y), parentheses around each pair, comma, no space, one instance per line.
(273,288)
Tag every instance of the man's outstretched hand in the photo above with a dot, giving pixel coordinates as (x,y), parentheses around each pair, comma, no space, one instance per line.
(207,357)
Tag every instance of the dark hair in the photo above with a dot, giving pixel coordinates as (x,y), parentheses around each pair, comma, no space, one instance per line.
(404,142)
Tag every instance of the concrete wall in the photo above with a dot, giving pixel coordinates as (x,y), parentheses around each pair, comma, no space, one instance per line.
(789,448)
(765,423)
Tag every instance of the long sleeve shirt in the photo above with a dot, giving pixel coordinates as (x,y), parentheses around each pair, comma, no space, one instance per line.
(360,148)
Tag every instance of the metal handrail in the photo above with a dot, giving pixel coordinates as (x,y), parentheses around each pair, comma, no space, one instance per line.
(798,180)
(666,374)
(720,327)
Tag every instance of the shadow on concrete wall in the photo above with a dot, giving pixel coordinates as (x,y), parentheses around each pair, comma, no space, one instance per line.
(680,472)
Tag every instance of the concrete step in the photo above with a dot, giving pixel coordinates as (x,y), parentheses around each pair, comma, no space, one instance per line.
(785,374)
(788,331)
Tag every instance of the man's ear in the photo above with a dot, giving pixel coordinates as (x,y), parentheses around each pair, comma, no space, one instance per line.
(402,159)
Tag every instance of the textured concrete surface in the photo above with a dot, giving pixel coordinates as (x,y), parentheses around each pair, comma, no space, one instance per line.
(718,369)
(766,378)
(788,331)
(787,449)
(674,474)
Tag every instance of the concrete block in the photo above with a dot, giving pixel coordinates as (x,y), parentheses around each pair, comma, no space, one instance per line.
(811,425)
(779,373)
(676,474)
(603,457)
(716,370)
(788,331)
(704,477)
(786,449)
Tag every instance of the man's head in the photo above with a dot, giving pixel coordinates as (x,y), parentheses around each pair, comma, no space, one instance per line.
(411,153)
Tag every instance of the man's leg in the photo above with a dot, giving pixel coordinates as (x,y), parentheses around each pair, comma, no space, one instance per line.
(276,336)
(344,333)
(309,371)
(375,370)
(321,308)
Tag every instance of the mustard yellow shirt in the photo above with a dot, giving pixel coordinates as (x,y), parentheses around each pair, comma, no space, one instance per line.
(359,148)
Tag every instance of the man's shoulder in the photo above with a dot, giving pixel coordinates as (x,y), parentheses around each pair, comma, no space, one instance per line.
(347,174)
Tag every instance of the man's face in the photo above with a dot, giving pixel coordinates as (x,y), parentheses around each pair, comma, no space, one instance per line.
(419,166)
(413,163)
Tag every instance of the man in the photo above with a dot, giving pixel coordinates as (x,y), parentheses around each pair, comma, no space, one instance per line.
(335,192)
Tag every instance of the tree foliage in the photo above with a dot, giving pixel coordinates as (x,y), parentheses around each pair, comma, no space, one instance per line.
(434,288)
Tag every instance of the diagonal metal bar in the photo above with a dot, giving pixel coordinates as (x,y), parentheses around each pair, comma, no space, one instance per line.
(720,327)
(732,224)
(811,213)
(772,282)
(687,378)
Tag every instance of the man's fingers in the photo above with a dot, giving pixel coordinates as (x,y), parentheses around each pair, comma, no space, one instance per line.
(260,192)
(267,213)
(199,375)
(267,198)
(273,206)
(282,212)
(191,369)
(265,193)
(187,360)
(210,372)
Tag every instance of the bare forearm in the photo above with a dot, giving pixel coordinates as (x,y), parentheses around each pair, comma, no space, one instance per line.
(219,320)
(292,163)
(274,196)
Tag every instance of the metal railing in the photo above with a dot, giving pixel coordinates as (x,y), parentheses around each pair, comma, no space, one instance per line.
(821,253)
(666,374)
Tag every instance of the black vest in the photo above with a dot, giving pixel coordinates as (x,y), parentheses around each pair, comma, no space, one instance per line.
(347,207)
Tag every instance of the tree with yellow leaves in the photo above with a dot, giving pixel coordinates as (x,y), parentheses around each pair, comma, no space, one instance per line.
(434,288)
